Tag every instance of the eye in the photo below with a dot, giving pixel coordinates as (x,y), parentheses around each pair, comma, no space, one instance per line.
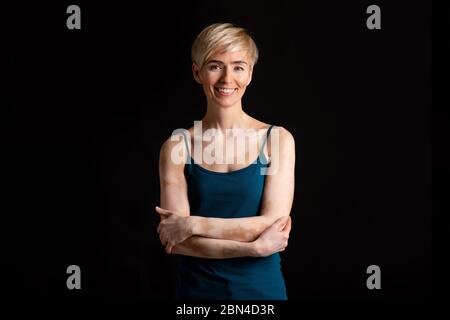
(214,67)
(239,68)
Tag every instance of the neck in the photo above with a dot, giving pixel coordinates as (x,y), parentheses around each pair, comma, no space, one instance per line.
(231,117)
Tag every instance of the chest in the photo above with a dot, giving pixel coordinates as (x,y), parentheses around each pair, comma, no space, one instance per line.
(226,154)
(225,195)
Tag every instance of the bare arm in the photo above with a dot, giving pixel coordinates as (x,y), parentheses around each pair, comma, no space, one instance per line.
(174,197)
(273,239)
(240,229)
(201,247)
(276,202)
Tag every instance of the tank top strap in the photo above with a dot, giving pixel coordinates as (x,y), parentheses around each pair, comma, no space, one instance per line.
(187,143)
(267,137)
(188,152)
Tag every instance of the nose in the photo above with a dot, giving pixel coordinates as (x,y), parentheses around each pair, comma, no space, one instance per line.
(226,75)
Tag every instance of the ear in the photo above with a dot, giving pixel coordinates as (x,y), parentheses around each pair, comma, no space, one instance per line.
(196,73)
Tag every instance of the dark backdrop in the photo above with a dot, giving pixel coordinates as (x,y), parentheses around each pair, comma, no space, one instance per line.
(90,109)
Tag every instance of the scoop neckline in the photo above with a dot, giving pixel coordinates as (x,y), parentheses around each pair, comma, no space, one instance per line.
(252,164)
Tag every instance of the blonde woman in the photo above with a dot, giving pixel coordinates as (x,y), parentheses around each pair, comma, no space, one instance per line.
(227,220)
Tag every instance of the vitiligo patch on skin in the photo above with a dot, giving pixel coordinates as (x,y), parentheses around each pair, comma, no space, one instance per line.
(195,247)
(234,229)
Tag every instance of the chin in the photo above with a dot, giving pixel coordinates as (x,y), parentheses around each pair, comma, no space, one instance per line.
(226,105)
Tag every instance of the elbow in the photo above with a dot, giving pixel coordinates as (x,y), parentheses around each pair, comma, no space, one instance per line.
(257,229)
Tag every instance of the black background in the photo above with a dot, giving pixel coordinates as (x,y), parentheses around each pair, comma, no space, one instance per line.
(90,109)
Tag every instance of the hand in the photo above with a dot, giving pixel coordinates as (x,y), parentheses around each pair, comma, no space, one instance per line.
(173,228)
(274,238)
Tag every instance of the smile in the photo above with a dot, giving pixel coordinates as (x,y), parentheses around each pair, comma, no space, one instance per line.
(225,91)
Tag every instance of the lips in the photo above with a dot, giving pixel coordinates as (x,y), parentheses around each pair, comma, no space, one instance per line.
(225,91)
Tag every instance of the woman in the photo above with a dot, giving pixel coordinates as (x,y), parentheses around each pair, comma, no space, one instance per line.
(227,220)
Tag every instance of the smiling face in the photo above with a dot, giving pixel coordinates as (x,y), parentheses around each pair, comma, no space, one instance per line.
(224,77)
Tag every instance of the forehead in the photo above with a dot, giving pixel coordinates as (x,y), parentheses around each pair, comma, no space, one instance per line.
(230,56)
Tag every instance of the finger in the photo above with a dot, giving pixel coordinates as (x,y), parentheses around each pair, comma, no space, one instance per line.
(287,227)
(161,225)
(162,211)
(162,238)
(159,228)
(163,215)
(169,248)
(280,223)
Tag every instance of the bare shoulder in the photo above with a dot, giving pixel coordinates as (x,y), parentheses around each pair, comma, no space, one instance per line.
(177,139)
(285,138)
(282,152)
(172,156)
(168,147)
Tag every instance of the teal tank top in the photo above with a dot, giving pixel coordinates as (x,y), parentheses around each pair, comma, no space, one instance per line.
(234,194)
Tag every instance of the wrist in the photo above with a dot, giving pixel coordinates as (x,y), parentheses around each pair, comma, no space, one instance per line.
(255,249)
(194,225)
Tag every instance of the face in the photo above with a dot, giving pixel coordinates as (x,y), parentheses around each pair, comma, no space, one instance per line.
(224,77)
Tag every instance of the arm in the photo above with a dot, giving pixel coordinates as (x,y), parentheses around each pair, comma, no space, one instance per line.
(173,184)
(276,202)
(174,197)
(201,247)
(273,239)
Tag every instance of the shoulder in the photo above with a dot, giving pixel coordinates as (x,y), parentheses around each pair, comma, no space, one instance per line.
(286,139)
(172,154)
(169,145)
(175,140)
(284,135)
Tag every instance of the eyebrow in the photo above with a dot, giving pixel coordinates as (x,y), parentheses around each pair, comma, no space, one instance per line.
(233,62)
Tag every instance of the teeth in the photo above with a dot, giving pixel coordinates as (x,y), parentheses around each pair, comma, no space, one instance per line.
(225,90)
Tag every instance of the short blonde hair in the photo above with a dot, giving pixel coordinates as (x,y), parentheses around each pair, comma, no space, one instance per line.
(222,36)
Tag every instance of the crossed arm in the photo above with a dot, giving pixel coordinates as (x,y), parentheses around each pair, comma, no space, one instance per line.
(205,237)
